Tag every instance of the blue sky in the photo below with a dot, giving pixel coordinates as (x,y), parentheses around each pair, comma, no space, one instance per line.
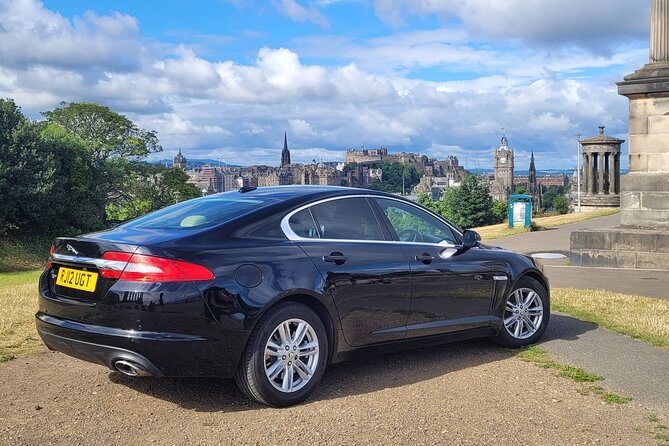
(225,79)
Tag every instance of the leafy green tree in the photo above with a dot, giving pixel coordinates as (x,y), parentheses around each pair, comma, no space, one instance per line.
(394,174)
(469,204)
(150,187)
(499,212)
(561,204)
(549,196)
(113,142)
(107,134)
(46,179)
(349,167)
(521,189)
(73,197)
(25,169)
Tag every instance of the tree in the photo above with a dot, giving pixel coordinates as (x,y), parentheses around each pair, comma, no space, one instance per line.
(396,176)
(149,187)
(520,189)
(549,196)
(499,212)
(107,134)
(349,167)
(72,197)
(561,204)
(24,169)
(113,142)
(46,179)
(468,205)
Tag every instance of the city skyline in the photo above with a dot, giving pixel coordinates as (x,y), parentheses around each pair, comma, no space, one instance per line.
(222,79)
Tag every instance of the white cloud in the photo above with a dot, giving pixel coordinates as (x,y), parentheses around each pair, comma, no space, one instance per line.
(593,24)
(33,35)
(239,111)
(298,13)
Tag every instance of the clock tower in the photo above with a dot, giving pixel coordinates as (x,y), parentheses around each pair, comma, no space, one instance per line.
(504,164)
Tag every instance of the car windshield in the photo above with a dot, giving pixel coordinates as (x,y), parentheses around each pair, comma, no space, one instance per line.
(200,212)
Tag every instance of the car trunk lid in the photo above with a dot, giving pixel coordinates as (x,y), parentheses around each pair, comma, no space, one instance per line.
(75,267)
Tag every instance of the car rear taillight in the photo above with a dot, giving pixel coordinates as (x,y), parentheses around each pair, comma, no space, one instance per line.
(143,268)
(51,252)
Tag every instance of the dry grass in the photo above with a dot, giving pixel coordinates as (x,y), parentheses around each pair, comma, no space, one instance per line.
(503,230)
(643,318)
(18,304)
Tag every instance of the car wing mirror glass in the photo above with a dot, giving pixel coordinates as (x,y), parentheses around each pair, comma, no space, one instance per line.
(470,239)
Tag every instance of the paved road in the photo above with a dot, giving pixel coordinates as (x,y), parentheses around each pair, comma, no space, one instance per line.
(553,239)
(556,240)
(630,367)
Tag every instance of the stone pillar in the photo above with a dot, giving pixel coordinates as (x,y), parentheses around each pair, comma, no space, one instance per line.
(659,32)
(584,178)
(593,174)
(600,173)
(645,190)
(612,173)
(617,172)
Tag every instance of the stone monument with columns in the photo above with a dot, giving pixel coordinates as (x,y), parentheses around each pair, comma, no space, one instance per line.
(642,241)
(601,171)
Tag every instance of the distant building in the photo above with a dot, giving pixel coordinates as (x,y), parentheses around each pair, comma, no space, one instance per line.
(560,180)
(180,161)
(363,155)
(207,177)
(229,182)
(502,185)
(285,153)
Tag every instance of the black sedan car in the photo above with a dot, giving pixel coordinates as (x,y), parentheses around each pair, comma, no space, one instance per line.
(271,285)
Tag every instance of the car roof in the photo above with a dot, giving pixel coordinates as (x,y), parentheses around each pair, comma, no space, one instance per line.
(285,193)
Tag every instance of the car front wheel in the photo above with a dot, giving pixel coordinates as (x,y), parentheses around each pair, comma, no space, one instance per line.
(526,314)
(285,357)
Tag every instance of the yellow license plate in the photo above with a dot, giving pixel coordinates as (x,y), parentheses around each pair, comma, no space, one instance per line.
(77,279)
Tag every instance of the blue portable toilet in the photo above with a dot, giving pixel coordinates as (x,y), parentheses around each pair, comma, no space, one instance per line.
(520,211)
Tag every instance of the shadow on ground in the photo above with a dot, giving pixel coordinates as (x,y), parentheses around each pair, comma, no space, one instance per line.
(359,376)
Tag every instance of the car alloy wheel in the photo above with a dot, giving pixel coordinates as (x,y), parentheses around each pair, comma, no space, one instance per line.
(291,355)
(523,313)
(285,357)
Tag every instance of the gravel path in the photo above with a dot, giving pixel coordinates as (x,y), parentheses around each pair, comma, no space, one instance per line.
(470,393)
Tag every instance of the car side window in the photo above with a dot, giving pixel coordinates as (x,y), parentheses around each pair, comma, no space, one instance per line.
(303,225)
(412,224)
(347,219)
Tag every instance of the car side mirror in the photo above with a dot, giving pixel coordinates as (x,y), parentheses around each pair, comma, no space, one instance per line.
(470,239)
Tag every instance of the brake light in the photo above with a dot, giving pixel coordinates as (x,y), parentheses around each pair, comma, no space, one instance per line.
(51,252)
(144,268)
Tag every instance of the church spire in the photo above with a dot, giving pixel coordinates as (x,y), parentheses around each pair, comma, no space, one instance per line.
(285,153)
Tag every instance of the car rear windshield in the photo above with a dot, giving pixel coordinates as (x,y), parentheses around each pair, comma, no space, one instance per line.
(200,213)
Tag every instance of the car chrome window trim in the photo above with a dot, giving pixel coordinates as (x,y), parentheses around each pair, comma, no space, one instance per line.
(116,265)
(290,234)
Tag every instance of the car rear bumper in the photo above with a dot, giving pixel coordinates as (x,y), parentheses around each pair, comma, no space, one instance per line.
(159,354)
(97,353)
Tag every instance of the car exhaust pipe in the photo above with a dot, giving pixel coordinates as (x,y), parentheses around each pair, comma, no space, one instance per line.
(130,368)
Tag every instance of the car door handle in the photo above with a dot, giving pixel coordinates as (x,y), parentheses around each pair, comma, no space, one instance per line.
(425,258)
(336,257)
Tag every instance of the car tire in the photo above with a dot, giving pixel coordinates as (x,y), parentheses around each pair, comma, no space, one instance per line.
(525,314)
(285,356)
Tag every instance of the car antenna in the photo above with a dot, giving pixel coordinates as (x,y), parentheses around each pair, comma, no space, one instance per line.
(244,189)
